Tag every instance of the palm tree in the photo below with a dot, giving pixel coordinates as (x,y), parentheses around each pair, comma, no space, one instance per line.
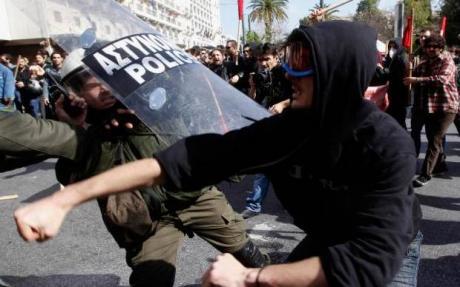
(268,11)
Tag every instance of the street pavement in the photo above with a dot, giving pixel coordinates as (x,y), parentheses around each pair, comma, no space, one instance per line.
(84,254)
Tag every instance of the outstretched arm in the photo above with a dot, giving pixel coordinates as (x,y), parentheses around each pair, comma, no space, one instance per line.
(42,219)
(227,271)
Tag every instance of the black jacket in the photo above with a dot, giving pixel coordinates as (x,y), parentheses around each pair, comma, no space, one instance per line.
(342,169)
(398,92)
(273,87)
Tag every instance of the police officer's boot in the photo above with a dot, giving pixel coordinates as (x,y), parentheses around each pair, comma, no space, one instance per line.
(251,256)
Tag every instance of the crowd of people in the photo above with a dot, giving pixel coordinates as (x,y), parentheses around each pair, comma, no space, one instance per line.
(428,92)
(36,80)
(343,169)
(259,74)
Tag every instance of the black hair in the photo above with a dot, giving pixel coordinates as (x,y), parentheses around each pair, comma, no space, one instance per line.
(233,42)
(43,53)
(58,53)
(77,79)
(194,51)
(270,49)
(435,40)
(394,43)
(7,56)
(216,49)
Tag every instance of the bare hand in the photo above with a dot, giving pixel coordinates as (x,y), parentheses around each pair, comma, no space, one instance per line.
(316,16)
(45,101)
(20,84)
(124,117)
(234,79)
(226,271)
(251,81)
(78,103)
(279,107)
(409,80)
(41,220)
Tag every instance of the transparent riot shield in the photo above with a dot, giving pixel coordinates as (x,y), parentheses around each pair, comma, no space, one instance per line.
(173,94)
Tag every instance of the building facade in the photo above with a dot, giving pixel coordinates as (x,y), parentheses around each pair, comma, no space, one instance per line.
(187,23)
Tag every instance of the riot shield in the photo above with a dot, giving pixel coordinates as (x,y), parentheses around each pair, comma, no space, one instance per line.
(173,94)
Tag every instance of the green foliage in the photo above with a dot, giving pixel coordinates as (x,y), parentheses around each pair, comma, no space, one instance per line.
(368,12)
(266,12)
(253,37)
(451,9)
(367,7)
(422,10)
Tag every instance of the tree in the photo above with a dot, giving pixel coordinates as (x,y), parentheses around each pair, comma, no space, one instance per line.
(266,12)
(367,10)
(422,10)
(253,37)
(451,9)
(369,13)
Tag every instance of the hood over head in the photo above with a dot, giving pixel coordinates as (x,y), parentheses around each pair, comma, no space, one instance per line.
(399,46)
(343,59)
(394,42)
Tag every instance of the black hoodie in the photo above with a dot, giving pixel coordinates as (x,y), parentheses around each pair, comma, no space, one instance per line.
(342,169)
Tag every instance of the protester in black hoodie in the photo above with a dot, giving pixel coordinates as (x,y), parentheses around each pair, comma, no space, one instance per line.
(398,93)
(341,168)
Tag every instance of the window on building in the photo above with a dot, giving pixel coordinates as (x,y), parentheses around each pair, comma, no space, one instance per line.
(77,21)
(57,16)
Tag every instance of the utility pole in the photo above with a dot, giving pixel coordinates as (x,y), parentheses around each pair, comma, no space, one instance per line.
(244,34)
(249,23)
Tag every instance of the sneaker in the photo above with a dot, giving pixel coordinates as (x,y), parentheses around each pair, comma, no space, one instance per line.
(249,213)
(421,180)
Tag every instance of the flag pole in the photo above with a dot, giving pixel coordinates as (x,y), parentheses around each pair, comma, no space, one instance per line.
(240,21)
(238,42)
(411,49)
(335,5)
(323,11)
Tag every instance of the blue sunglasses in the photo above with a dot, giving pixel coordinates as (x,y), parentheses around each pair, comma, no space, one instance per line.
(298,74)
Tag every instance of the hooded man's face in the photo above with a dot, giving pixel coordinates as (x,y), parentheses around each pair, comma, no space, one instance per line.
(302,92)
(298,59)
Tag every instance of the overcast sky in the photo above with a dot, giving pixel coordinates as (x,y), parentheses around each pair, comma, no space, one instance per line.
(297,9)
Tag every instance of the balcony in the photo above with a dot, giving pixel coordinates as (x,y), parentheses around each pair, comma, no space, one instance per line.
(170,5)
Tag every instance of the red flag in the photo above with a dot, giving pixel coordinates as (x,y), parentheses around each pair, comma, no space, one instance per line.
(240,9)
(407,37)
(442,32)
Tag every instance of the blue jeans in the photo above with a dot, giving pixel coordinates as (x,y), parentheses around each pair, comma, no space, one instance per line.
(32,106)
(407,274)
(258,193)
